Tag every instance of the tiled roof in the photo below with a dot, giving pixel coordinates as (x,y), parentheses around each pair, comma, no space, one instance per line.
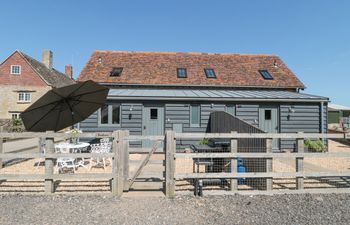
(53,77)
(159,68)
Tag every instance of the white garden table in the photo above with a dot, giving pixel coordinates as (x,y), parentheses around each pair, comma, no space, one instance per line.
(72,148)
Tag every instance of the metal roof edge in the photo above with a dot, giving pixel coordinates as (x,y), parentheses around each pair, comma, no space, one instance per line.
(150,98)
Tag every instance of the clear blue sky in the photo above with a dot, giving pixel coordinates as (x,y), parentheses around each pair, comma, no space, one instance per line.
(312,37)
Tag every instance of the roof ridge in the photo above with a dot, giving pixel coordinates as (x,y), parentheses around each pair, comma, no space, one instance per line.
(37,61)
(189,53)
(25,56)
(48,78)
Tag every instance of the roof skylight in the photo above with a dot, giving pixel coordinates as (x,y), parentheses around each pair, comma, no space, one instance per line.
(265,74)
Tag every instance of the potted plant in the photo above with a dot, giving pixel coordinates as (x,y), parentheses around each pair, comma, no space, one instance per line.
(74,131)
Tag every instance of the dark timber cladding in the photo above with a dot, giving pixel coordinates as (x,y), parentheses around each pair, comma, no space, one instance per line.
(293,117)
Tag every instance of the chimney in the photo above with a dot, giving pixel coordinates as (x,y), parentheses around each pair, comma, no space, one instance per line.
(47,58)
(69,71)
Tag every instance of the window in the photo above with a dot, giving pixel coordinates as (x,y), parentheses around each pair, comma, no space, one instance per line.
(154,114)
(195,115)
(15,69)
(104,114)
(268,114)
(115,114)
(15,116)
(116,72)
(265,74)
(230,109)
(109,115)
(181,72)
(24,96)
(209,73)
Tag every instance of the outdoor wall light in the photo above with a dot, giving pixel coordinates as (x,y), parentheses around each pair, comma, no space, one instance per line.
(291,109)
(212,105)
(131,108)
(168,120)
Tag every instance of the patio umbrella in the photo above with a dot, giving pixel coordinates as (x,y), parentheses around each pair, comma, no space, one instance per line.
(63,107)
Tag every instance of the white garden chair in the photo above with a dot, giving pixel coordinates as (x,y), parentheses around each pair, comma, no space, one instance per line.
(104,140)
(64,163)
(100,149)
(80,161)
(42,150)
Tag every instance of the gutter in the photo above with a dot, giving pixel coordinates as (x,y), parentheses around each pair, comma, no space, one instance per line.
(150,98)
(200,86)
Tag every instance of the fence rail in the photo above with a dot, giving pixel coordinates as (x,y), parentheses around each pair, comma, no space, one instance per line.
(118,148)
(265,158)
(120,179)
(300,135)
(263,155)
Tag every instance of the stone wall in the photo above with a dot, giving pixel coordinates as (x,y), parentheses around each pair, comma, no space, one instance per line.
(9,98)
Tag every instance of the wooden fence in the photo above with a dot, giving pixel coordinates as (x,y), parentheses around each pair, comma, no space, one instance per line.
(119,177)
(233,176)
(118,148)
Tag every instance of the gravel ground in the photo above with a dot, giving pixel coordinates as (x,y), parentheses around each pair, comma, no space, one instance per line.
(95,209)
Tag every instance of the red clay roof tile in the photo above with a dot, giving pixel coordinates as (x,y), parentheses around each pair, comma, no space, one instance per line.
(159,68)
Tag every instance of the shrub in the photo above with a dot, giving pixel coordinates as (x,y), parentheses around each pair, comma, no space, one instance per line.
(205,141)
(315,146)
(16,125)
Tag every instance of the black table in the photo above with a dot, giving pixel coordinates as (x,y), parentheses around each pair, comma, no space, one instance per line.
(211,164)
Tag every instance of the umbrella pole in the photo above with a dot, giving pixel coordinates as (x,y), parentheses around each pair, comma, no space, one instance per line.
(72,120)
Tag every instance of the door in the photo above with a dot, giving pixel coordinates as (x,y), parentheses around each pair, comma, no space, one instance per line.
(152,123)
(268,122)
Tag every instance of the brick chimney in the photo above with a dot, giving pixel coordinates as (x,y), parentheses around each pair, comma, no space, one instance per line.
(69,71)
(47,58)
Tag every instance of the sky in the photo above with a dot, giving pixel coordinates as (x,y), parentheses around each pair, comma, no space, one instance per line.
(312,37)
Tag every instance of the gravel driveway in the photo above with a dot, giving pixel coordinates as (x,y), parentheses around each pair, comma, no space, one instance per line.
(94,209)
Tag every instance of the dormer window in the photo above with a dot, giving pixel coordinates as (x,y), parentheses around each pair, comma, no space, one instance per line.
(265,74)
(181,72)
(209,73)
(15,69)
(116,72)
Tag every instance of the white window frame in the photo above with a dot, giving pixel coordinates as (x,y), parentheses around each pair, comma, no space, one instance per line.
(110,116)
(19,70)
(27,96)
(15,115)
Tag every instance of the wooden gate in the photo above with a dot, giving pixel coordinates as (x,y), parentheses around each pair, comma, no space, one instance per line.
(144,170)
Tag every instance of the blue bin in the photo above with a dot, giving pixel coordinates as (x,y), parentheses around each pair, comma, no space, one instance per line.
(241,169)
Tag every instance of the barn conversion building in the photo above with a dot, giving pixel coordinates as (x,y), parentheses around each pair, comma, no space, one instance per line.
(151,92)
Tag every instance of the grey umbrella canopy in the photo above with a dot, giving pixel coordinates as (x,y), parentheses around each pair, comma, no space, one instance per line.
(63,107)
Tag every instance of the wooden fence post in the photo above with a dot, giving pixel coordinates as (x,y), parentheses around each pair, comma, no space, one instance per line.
(234,162)
(118,176)
(269,181)
(300,163)
(114,162)
(49,164)
(1,151)
(125,146)
(170,149)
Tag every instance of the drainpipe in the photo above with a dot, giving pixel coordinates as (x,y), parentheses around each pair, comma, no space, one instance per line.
(322,125)
(322,121)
